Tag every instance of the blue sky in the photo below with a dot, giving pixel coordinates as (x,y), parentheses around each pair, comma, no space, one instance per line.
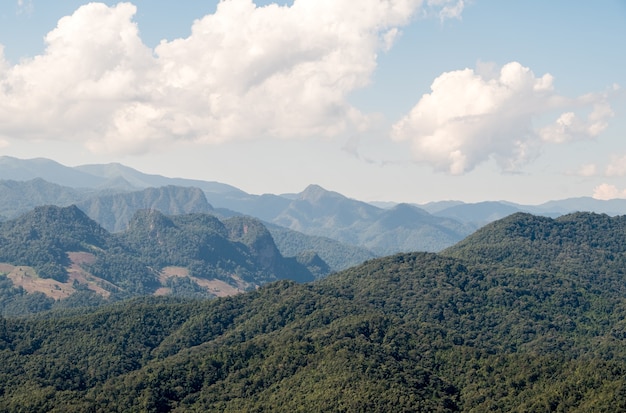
(394,100)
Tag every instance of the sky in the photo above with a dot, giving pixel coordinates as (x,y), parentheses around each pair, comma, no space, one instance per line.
(379,100)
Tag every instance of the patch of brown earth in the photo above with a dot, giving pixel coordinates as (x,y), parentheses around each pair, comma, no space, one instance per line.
(218,288)
(81,258)
(27,278)
(79,275)
(163,291)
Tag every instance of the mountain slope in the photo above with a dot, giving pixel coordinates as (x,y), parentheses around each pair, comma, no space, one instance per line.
(588,243)
(409,332)
(43,237)
(191,254)
(479,213)
(406,228)
(18,197)
(339,256)
(114,211)
(113,208)
(318,212)
(28,169)
(143,180)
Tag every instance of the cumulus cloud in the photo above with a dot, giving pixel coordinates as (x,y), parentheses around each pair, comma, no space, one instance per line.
(607,191)
(94,70)
(473,116)
(569,126)
(244,72)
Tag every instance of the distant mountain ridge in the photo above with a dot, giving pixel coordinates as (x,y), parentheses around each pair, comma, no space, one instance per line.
(114,210)
(18,197)
(489,211)
(95,176)
(314,212)
(479,213)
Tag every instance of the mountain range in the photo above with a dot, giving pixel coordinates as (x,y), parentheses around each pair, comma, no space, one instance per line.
(524,315)
(54,254)
(111,193)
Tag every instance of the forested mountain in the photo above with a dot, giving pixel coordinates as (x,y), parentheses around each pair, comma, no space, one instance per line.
(327,214)
(55,253)
(583,242)
(319,212)
(526,315)
(315,211)
(112,208)
(114,211)
(338,255)
(42,238)
(19,197)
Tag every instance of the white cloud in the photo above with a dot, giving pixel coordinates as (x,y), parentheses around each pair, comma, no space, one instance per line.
(569,127)
(452,11)
(607,191)
(94,67)
(444,9)
(617,166)
(470,117)
(244,72)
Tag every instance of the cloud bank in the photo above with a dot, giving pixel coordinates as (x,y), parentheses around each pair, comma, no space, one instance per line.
(470,117)
(244,72)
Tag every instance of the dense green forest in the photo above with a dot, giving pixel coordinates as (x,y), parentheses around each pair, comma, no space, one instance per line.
(337,255)
(237,251)
(526,315)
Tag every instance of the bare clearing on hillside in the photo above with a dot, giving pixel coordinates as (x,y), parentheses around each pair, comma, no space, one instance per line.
(218,288)
(27,278)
